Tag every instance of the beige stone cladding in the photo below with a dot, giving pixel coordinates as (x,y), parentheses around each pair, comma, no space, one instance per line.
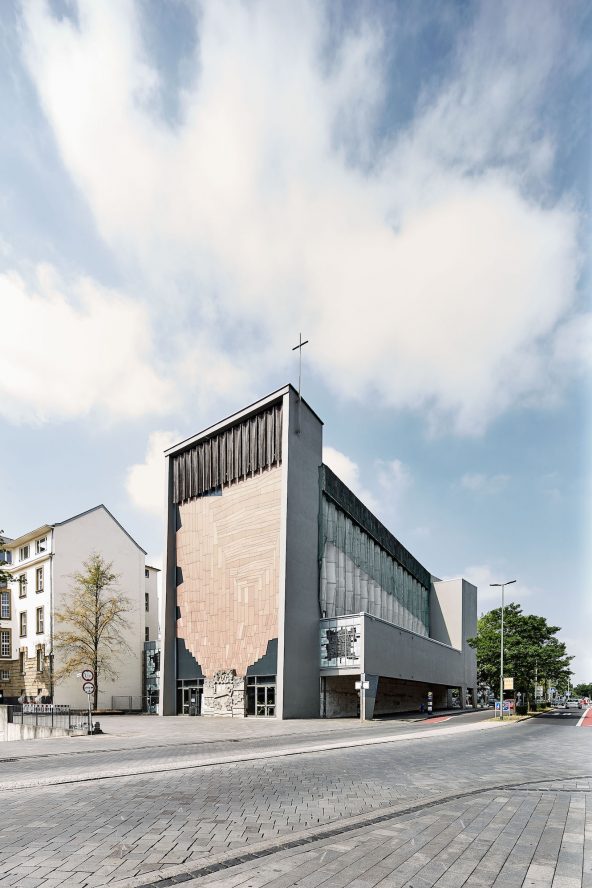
(29,684)
(228,552)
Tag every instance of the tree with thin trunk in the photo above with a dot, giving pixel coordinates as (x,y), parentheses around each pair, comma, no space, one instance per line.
(94,619)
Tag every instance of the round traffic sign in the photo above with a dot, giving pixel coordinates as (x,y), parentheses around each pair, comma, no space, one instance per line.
(88,687)
(87,674)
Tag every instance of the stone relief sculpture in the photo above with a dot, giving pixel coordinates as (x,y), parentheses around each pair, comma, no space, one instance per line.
(224,694)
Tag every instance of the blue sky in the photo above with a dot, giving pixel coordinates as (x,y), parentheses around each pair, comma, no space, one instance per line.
(185,187)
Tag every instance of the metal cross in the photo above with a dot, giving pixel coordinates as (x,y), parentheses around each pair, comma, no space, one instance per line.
(299,346)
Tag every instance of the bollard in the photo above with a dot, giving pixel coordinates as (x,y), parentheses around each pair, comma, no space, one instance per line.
(97,728)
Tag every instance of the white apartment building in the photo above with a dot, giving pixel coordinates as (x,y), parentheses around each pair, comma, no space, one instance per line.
(151,629)
(43,562)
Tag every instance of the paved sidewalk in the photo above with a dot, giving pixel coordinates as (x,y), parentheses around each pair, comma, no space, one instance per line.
(172,821)
(69,768)
(540,837)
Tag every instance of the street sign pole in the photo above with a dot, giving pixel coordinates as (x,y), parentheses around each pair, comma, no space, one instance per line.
(88,687)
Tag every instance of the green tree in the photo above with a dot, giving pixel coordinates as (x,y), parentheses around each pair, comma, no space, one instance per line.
(532,653)
(94,620)
(5,575)
(583,690)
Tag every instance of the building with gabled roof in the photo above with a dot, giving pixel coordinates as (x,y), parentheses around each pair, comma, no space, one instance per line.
(43,562)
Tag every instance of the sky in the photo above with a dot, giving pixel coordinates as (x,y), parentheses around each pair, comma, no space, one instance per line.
(187,187)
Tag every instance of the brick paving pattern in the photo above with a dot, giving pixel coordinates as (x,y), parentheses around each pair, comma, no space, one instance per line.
(174,821)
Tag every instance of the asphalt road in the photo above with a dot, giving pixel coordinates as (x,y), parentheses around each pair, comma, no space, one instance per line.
(211,793)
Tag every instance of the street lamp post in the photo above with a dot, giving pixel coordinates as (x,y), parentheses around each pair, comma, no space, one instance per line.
(503,585)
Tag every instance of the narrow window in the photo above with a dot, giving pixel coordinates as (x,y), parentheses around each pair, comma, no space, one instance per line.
(40,659)
(146,634)
(23,623)
(39,619)
(147,601)
(5,605)
(5,644)
(22,581)
(39,579)
(24,553)
(22,662)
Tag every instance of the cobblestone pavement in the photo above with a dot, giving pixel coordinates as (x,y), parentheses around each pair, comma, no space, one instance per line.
(539,838)
(135,830)
(129,748)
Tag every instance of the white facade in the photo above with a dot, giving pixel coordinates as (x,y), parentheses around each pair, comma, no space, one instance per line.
(152,632)
(43,563)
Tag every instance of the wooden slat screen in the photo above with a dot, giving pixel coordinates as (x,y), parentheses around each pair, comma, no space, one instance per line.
(234,454)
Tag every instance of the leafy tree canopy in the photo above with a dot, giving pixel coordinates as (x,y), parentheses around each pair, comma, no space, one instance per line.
(583,690)
(531,650)
(5,576)
(93,622)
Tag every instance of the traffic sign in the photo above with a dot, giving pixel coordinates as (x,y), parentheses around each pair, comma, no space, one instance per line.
(87,674)
(88,687)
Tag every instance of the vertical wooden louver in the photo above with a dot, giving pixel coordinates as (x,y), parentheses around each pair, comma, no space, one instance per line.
(231,455)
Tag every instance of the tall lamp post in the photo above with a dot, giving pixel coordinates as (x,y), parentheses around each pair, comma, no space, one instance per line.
(503,585)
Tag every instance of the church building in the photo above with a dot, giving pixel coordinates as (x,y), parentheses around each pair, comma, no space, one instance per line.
(282,591)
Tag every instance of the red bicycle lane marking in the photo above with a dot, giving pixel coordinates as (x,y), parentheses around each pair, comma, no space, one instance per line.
(437,720)
(586,720)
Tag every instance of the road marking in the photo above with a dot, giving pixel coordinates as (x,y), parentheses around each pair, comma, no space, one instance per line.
(586,719)
(435,721)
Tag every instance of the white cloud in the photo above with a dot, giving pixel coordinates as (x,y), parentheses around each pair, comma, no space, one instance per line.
(432,274)
(73,347)
(349,472)
(482,575)
(392,480)
(145,482)
(480,483)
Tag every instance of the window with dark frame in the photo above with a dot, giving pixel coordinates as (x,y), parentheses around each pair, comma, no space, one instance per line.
(5,605)
(23,623)
(39,618)
(5,643)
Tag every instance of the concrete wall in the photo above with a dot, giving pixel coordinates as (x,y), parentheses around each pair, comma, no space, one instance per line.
(446,612)
(298,652)
(10,732)
(168,604)
(151,615)
(74,541)
(397,653)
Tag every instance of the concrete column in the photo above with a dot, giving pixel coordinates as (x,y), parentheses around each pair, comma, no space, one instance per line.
(368,697)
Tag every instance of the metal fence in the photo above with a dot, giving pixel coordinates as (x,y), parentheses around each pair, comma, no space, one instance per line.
(49,716)
(129,704)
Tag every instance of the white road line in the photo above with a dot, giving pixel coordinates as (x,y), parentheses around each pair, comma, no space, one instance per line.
(584,714)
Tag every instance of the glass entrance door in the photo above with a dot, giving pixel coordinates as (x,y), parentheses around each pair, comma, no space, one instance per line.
(189,694)
(261,695)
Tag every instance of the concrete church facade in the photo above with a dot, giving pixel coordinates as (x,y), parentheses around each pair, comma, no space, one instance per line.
(281,589)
